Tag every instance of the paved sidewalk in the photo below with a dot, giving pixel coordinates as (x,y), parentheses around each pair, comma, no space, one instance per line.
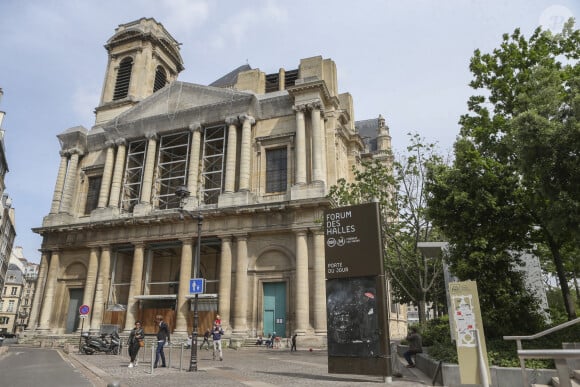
(253,367)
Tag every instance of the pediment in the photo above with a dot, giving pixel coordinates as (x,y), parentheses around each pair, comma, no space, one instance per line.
(181,96)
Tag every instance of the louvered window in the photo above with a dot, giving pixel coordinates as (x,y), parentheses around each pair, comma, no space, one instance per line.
(276,170)
(93,193)
(123,79)
(160,78)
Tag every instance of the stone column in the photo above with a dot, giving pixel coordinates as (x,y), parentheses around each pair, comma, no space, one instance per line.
(324,150)
(39,292)
(147,185)
(50,288)
(57,196)
(302,294)
(118,174)
(319,284)
(231,155)
(317,152)
(90,282)
(107,175)
(193,176)
(101,289)
(225,284)
(245,153)
(69,183)
(241,292)
(300,145)
(135,287)
(184,277)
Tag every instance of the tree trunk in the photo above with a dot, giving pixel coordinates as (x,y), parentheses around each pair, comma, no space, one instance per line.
(421,308)
(568,302)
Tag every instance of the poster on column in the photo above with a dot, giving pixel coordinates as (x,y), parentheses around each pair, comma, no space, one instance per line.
(355,291)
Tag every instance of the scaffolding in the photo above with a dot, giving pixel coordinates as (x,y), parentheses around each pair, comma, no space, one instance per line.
(214,144)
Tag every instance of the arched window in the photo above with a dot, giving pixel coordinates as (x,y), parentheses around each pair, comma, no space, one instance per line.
(123,79)
(160,78)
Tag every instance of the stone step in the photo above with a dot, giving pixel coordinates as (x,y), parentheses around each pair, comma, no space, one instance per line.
(556,382)
(576,374)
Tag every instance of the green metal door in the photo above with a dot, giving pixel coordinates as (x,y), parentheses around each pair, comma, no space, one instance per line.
(275,308)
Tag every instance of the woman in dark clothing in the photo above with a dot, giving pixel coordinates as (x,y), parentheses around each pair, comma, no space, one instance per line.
(135,338)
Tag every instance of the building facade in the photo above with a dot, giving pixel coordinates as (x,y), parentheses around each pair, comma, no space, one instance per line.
(257,152)
(7,228)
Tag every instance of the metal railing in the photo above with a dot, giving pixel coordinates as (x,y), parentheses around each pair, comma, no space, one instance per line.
(147,353)
(558,355)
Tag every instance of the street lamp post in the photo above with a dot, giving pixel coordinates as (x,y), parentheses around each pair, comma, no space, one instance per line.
(182,193)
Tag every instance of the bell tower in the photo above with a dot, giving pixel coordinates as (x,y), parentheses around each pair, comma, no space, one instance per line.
(143,58)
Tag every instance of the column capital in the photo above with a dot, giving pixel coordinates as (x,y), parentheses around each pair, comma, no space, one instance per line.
(195,127)
(75,150)
(299,108)
(120,141)
(233,120)
(186,240)
(317,230)
(64,153)
(316,104)
(151,136)
(246,117)
(109,143)
(300,231)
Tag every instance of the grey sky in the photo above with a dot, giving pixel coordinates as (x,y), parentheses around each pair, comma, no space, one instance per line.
(406,60)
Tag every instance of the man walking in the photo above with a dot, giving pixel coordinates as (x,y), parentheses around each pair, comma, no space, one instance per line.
(293,348)
(415,347)
(162,338)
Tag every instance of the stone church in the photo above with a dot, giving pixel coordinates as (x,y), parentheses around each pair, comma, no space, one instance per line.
(257,154)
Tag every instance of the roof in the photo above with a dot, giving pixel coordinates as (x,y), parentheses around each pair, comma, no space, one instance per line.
(230,78)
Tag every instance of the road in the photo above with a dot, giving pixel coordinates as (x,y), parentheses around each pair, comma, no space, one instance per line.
(24,367)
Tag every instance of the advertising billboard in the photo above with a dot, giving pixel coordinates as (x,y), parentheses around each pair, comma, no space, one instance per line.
(357,329)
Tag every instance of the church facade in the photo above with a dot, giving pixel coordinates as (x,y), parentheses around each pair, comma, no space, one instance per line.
(257,154)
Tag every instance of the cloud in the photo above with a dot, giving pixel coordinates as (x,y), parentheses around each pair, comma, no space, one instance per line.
(184,16)
(235,28)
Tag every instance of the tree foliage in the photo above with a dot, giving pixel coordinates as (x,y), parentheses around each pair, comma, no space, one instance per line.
(399,188)
(514,182)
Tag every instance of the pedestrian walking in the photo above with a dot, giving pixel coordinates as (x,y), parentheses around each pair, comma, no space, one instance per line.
(162,339)
(217,334)
(293,348)
(205,339)
(135,342)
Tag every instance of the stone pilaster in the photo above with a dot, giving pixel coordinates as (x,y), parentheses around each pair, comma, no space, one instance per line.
(90,282)
(246,151)
(135,287)
(302,291)
(317,151)
(70,181)
(147,184)
(118,174)
(101,289)
(107,175)
(319,284)
(241,292)
(225,284)
(50,288)
(300,145)
(39,292)
(59,186)
(193,176)
(323,145)
(184,276)
(231,155)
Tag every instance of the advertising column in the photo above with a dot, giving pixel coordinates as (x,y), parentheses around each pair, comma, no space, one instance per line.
(357,329)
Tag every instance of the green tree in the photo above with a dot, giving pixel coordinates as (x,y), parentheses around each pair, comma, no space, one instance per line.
(514,182)
(399,188)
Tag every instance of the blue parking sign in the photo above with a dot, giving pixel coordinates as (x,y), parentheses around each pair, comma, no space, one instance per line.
(196,286)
